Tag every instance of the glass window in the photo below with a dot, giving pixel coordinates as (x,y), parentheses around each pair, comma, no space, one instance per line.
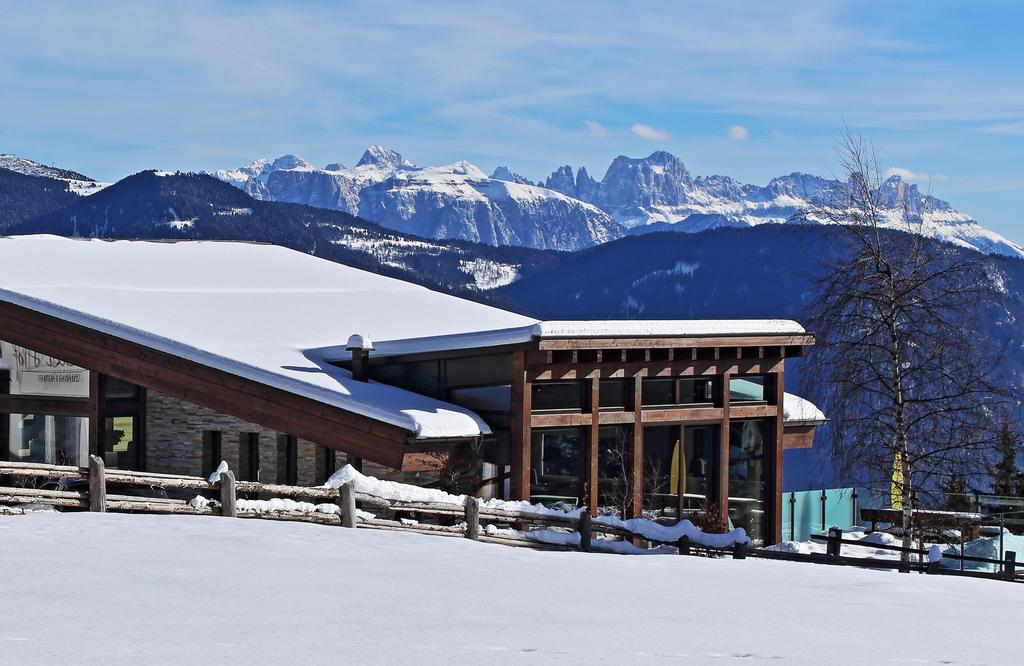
(121,446)
(287,459)
(249,456)
(211,451)
(44,438)
(484,398)
(32,373)
(614,468)
(666,476)
(615,393)
(557,396)
(747,389)
(557,466)
(696,391)
(657,392)
(748,476)
(115,389)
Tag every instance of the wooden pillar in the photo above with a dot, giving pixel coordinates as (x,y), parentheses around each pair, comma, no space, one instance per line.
(519,443)
(637,455)
(775,535)
(723,451)
(681,474)
(590,467)
(95,417)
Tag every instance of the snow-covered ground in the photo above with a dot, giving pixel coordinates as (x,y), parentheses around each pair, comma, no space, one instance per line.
(107,588)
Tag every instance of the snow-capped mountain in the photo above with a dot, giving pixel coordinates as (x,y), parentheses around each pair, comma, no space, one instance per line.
(77,183)
(571,210)
(456,201)
(658,193)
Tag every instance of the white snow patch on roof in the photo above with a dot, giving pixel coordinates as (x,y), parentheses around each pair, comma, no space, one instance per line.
(259,311)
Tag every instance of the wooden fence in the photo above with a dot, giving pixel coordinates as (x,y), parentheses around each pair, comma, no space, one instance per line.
(355,509)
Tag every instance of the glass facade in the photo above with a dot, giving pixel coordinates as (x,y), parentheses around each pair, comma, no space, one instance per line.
(557,466)
(614,467)
(44,438)
(666,392)
(666,475)
(750,388)
(121,446)
(557,396)
(749,469)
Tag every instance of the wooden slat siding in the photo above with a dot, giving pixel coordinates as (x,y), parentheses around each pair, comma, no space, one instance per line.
(202,385)
(798,437)
(615,370)
(777,443)
(741,411)
(519,480)
(591,468)
(659,342)
(637,456)
(723,452)
(693,415)
(24,404)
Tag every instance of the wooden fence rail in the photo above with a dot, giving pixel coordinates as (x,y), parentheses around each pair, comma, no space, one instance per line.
(348,508)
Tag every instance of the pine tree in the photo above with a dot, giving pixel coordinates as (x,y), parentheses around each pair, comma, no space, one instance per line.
(1006,477)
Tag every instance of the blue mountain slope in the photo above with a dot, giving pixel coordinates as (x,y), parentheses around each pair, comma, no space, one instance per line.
(760,272)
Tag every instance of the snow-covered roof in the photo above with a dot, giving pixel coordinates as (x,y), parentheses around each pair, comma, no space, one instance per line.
(627,328)
(280,317)
(259,311)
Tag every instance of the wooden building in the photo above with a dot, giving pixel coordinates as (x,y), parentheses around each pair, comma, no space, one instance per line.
(170,357)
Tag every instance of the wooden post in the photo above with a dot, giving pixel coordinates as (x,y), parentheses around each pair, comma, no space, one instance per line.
(97,485)
(1010,564)
(347,504)
(95,415)
(585,528)
(228,495)
(472,518)
(723,452)
(739,550)
(775,500)
(683,545)
(834,544)
(636,458)
(591,466)
(520,443)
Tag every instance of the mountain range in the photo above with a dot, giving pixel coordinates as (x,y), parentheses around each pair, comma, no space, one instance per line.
(571,210)
(726,270)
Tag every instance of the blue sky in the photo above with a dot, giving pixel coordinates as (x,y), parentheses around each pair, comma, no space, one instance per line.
(741,89)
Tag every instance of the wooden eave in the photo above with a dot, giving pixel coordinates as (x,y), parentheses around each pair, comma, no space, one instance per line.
(203,385)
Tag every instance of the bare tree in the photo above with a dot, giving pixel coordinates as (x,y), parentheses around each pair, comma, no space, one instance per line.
(903,374)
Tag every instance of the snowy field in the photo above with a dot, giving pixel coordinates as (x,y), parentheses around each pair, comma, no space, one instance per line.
(106,588)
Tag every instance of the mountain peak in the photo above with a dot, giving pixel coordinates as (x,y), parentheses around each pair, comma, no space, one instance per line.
(506,174)
(289,161)
(381,157)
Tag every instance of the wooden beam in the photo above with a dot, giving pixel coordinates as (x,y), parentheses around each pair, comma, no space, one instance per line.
(623,370)
(723,452)
(778,444)
(652,342)
(637,457)
(95,415)
(520,439)
(203,385)
(27,404)
(590,469)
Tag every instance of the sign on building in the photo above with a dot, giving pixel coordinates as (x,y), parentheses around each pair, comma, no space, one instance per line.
(33,373)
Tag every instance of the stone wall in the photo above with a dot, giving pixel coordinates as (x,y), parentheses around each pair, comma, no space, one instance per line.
(175,445)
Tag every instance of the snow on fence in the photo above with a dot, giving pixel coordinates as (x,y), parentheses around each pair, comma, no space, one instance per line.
(351,499)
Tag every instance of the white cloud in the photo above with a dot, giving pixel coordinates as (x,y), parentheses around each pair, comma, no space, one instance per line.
(739,133)
(650,133)
(912,176)
(1016,128)
(596,129)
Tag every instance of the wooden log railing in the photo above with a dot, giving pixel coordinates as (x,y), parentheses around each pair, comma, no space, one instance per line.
(348,508)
